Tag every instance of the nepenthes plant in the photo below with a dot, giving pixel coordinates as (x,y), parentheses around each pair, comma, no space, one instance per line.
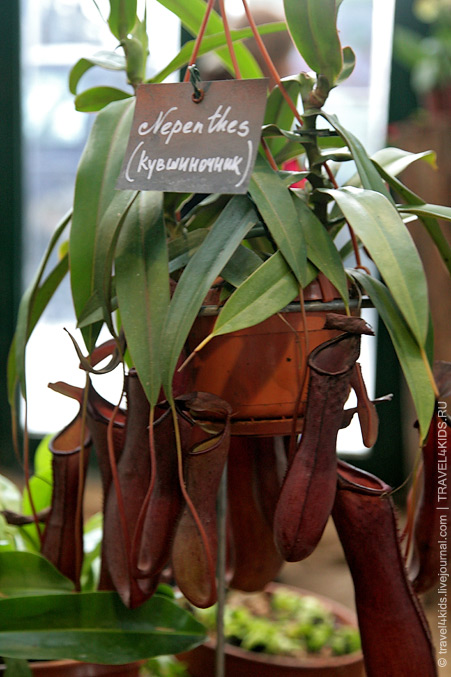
(235,319)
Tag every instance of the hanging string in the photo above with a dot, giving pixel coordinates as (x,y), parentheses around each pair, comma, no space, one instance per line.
(270,64)
(229,40)
(199,39)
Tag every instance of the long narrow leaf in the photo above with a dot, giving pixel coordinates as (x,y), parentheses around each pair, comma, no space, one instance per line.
(368,174)
(142,286)
(241,264)
(379,226)
(106,238)
(276,206)
(269,289)
(94,189)
(278,112)
(321,249)
(182,248)
(40,300)
(191,14)
(230,228)
(409,353)
(436,211)
(431,224)
(94,627)
(211,43)
(312,26)
(24,321)
(394,161)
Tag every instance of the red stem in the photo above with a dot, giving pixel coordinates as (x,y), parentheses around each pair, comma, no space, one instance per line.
(114,474)
(199,38)
(269,155)
(80,488)
(229,40)
(185,494)
(269,62)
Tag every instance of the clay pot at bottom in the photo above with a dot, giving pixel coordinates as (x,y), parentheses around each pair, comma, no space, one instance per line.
(68,668)
(240,663)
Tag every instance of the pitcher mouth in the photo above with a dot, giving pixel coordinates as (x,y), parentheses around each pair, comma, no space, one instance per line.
(327,359)
(360,481)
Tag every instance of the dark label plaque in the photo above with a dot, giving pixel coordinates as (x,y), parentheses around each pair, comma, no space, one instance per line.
(181,146)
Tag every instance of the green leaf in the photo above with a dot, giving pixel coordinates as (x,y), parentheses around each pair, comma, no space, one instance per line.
(289,178)
(92,544)
(96,98)
(231,227)
(191,14)
(368,173)
(94,627)
(142,286)
(312,25)
(10,496)
(410,355)
(25,573)
(278,112)
(29,304)
(109,60)
(17,667)
(378,225)
(394,161)
(321,249)
(275,204)
(431,224)
(122,17)
(94,190)
(37,304)
(41,490)
(106,237)
(182,248)
(348,65)
(269,289)
(241,264)
(425,210)
(211,43)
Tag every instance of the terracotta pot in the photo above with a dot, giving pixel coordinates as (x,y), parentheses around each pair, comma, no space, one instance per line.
(240,663)
(76,669)
(258,370)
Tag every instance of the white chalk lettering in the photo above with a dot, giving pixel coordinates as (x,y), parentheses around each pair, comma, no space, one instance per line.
(144,127)
(129,163)
(183,164)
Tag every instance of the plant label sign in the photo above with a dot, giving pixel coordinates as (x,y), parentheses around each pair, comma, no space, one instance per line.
(182,146)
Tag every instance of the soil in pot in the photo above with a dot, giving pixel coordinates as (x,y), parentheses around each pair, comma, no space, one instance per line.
(318,637)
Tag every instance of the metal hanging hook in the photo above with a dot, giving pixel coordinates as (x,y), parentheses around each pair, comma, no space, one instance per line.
(195,79)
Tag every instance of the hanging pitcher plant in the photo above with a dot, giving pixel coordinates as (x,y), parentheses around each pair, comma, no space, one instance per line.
(178,277)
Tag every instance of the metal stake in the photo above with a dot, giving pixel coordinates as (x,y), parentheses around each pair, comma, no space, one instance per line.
(221,574)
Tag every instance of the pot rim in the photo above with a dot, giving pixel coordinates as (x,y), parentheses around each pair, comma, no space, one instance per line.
(345,614)
(310,306)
